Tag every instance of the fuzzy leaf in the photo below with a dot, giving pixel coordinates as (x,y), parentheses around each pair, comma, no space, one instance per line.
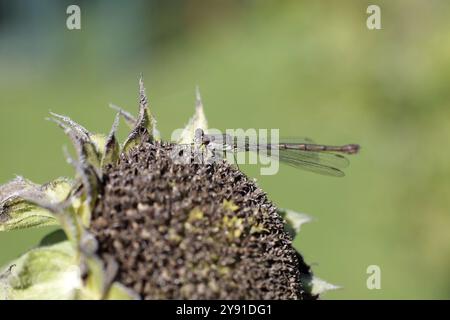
(72,225)
(294,220)
(144,124)
(130,120)
(83,141)
(15,186)
(93,287)
(46,273)
(68,123)
(58,190)
(198,121)
(99,278)
(18,212)
(23,215)
(112,148)
(90,181)
(99,141)
(65,214)
(316,286)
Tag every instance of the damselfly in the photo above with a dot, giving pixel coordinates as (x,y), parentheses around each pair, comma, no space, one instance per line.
(299,153)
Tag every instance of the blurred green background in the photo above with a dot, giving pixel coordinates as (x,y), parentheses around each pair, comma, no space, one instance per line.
(310,68)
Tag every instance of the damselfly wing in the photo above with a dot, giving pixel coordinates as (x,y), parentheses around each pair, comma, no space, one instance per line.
(301,153)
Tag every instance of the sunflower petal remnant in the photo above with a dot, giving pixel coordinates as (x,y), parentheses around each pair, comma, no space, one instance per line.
(198,121)
(317,286)
(294,220)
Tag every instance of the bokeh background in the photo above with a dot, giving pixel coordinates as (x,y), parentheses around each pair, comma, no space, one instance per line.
(310,68)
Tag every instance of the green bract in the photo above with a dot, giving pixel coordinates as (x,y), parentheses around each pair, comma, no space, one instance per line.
(48,272)
(69,267)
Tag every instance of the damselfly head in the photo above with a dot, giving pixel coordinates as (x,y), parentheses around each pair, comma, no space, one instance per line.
(351,148)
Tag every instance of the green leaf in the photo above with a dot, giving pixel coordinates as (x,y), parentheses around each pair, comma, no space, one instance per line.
(18,212)
(93,287)
(120,292)
(112,148)
(72,224)
(67,215)
(99,141)
(131,121)
(198,121)
(99,278)
(15,186)
(58,190)
(46,273)
(294,220)
(145,123)
(90,183)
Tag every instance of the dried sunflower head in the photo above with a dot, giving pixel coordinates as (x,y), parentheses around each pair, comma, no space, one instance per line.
(137,224)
